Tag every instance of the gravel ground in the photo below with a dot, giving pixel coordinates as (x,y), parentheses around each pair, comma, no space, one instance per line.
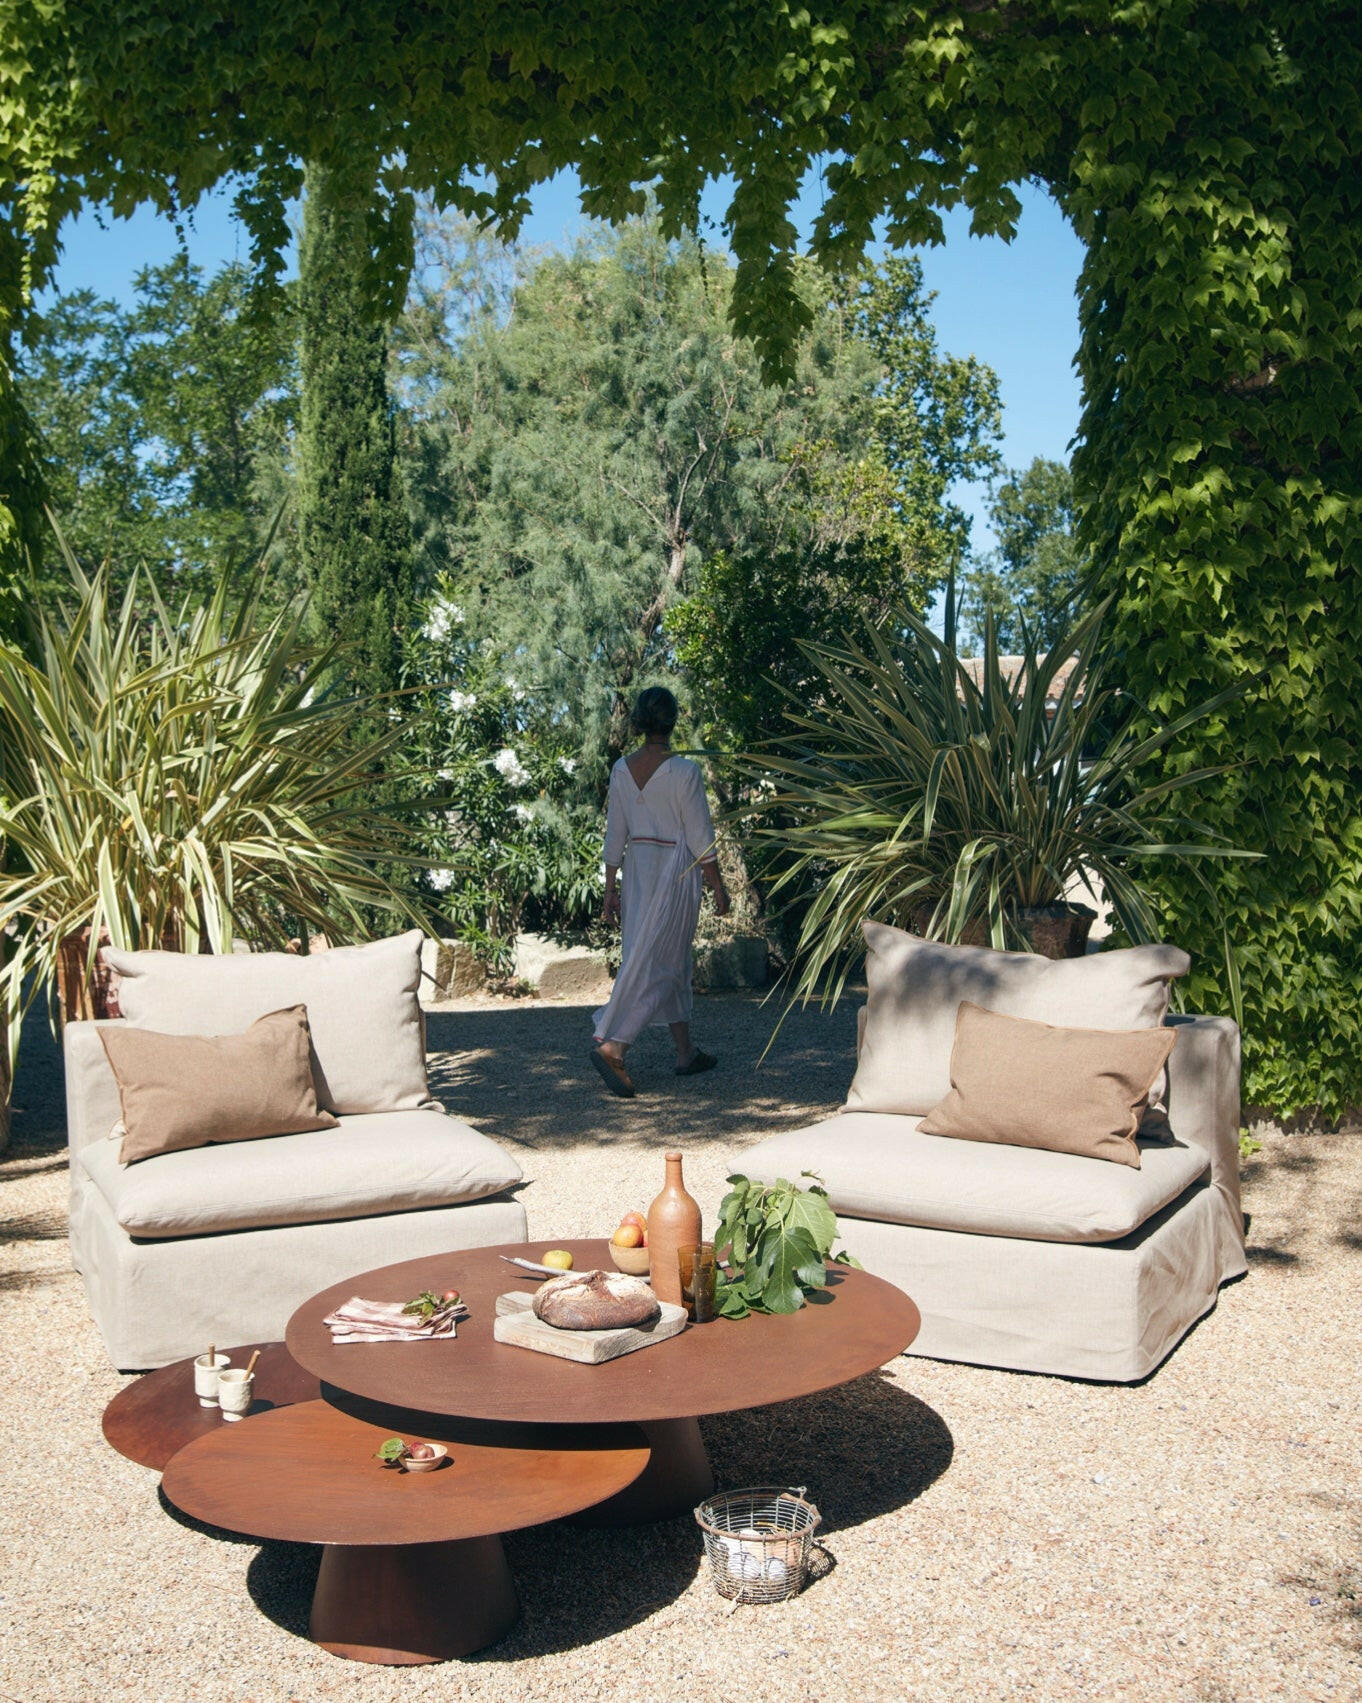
(988,1535)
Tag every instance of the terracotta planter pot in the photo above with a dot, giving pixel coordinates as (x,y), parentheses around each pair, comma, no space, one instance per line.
(80,998)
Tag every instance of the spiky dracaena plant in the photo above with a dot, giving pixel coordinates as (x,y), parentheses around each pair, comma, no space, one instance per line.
(908,789)
(177,777)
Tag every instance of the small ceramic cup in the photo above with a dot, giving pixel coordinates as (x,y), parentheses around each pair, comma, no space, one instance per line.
(207,1370)
(234,1392)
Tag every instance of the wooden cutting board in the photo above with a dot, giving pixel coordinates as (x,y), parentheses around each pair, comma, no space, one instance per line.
(517,1325)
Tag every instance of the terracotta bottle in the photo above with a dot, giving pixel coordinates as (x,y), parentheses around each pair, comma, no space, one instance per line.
(673,1222)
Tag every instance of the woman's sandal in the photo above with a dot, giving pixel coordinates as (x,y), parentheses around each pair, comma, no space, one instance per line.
(613,1074)
(700,1062)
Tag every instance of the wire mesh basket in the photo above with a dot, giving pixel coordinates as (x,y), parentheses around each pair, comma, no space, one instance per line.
(758,1542)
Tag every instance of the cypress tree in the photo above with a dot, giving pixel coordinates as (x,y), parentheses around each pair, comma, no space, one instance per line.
(354,535)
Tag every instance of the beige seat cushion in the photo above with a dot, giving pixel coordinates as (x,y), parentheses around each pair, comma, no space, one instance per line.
(368,1048)
(916,987)
(182,1091)
(877,1165)
(373,1163)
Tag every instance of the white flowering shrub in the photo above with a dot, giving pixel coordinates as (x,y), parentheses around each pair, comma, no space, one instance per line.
(514,842)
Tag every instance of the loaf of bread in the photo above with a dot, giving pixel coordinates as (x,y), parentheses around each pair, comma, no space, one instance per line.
(595,1300)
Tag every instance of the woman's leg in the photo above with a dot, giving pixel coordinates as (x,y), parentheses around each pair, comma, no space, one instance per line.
(685,1047)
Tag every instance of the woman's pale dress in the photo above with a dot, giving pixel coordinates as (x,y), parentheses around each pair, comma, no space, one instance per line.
(657,836)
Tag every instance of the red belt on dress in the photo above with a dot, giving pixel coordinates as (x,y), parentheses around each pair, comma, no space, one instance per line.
(648,840)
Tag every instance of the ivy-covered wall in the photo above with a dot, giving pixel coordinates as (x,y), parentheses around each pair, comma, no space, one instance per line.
(1209,153)
(1221,464)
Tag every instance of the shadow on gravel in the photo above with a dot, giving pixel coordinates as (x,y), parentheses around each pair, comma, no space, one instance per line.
(1270,1255)
(33,1227)
(863,1450)
(1310,1212)
(281,1579)
(26,1166)
(558,1570)
(39,1101)
(11,1282)
(578,1585)
(521,1074)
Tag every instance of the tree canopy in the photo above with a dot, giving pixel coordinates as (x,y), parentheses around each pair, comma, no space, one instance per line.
(163,424)
(1031,581)
(1208,153)
(597,453)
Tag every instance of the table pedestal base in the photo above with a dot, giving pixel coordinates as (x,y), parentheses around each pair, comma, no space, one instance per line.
(677,1477)
(401,1604)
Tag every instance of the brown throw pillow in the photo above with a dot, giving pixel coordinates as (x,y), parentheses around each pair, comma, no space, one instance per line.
(181,1091)
(1028,1084)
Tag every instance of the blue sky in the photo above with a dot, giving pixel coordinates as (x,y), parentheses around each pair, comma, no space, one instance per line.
(1011,304)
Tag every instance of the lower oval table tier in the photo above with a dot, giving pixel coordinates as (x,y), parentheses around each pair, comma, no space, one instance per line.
(848,1329)
(152,1418)
(413,1569)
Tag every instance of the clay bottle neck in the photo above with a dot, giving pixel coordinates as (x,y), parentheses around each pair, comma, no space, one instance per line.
(673,1161)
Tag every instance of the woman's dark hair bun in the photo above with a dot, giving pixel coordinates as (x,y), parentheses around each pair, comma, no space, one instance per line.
(655,712)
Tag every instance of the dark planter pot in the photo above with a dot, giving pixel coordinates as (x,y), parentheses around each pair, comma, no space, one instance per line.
(1053,931)
(1058,931)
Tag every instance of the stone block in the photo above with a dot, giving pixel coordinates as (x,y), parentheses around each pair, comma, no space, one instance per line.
(449,970)
(576,972)
(740,963)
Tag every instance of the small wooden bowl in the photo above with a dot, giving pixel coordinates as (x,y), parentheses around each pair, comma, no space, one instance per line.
(633,1260)
(438,1459)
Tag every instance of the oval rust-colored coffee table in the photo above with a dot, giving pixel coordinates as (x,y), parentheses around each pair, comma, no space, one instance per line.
(154,1416)
(413,1569)
(852,1327)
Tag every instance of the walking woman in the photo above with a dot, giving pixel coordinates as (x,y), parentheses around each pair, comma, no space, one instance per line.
(658,827)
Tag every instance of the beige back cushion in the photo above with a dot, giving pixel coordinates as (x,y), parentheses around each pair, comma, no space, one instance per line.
(916,988)
(368,1052)
(179,1091)
(1025,1084)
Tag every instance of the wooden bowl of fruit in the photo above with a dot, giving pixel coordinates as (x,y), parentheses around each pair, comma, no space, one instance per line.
(629,1245)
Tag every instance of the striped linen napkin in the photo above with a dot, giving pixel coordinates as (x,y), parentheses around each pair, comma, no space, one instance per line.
(387,1321)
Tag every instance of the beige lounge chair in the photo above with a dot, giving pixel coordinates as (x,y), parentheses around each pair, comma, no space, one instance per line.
(220,1243)
(1018,1257)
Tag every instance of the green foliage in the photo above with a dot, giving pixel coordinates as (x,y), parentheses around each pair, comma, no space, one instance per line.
(588,433)
(776,1239)
(21,497)
(1207,152)
(1218,480)
(354,538)
(392,1452)
(178,774)
(425,1305)
(937,417)
(511,844)
(1031,582)
(154,102)
(861,529)
(163,425)
(935,796)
